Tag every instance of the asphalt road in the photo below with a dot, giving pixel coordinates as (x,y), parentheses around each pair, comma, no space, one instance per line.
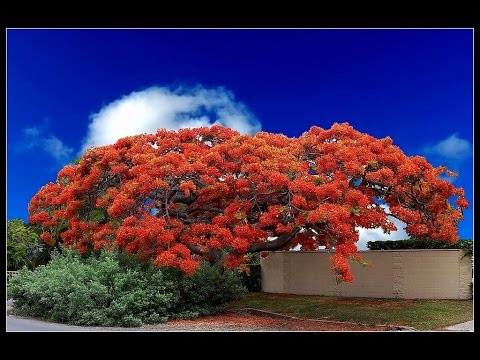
(21,324)
(466,326)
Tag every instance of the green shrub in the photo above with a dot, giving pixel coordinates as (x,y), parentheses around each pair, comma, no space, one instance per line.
(111,289)
(466,245)
(253,280)
(206,292)
(24,247)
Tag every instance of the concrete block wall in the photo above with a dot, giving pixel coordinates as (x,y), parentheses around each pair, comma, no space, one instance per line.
(406,274)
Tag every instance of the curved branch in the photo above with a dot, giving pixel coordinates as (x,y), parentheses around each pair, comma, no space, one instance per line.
(273,245)
(194,249)
(206,208)
(187,200)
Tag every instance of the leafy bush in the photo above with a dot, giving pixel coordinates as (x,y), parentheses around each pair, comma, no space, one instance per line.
(252,276)
(466,245)
(206,292)
(111,289)
(24,247)
(253,280)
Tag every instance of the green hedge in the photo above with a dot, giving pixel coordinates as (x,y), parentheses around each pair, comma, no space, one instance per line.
(253,280)
(467,245)
(112,289)
(24,247)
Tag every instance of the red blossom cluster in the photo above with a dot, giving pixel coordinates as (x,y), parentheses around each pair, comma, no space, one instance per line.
(211,194)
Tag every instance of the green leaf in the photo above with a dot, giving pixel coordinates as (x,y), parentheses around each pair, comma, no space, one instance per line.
(361,262)
(182,206)
(292,175)
(239,216)
(116,223)
(98,215)
(318,181)
(355,211)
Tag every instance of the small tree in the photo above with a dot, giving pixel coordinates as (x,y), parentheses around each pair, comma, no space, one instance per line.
(181,197)
(24,247)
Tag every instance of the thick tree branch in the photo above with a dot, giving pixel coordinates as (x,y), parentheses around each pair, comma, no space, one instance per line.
(187,200)
(194,249)
(276,244)
(206,208)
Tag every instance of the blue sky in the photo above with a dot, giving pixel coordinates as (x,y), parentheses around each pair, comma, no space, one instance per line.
(70,89)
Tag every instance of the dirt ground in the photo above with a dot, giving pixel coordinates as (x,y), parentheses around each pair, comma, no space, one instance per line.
(249,322)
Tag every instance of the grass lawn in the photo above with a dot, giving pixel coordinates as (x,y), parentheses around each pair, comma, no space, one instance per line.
(420,314)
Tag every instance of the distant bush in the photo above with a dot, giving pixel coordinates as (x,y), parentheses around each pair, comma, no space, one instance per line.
(111,289)
(252,275)
(206,292)
(24,247)
(252,280)
(466,245)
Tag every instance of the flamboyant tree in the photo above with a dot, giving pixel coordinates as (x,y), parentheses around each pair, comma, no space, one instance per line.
(182,197)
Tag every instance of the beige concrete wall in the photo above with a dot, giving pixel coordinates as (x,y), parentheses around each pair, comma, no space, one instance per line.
(407,274)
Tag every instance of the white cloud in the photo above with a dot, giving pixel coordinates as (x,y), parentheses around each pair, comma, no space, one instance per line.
(452,148)
(32,131)
(161,107)
(35,137)
(56,148)
(366,235)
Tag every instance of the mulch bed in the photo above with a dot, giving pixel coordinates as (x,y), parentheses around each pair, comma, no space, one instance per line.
(233,321)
